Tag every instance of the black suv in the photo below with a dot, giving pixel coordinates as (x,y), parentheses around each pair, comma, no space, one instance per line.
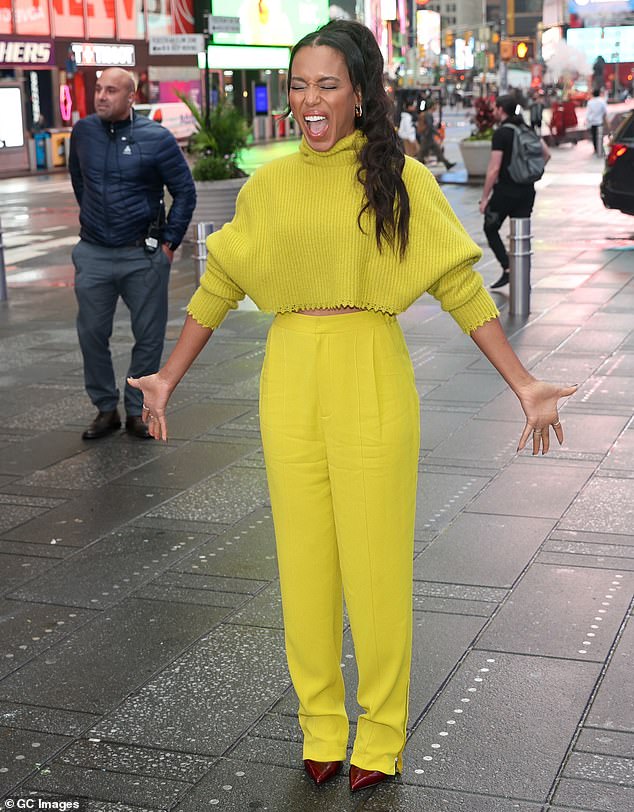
(617,185)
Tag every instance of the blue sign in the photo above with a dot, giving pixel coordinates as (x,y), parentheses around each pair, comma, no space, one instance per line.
(261,100)
(594,7)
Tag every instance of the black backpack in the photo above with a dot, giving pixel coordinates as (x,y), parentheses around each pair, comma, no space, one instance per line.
(527,162)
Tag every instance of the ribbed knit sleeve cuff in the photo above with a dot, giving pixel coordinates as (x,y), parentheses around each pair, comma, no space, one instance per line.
(476,312)
(209,310)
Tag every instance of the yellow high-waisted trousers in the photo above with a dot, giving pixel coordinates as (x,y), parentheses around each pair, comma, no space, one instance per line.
(339,417)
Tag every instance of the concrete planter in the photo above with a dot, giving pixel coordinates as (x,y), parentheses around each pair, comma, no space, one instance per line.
(216,201)
(475,155)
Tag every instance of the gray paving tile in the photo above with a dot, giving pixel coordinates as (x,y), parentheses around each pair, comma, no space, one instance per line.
(515,698)
(482,550)
(208,697)
(107,785)
(435,365)
(613,706)
(621,454)
(600,341)
(96,466)
(606,742)
(54,551)
(488,442)
(612,390)
(30,628)
(595,561)
(619,363)
(17,569)
(459,591)
(225,497)
(615,550)
(530,490)
(436,426)
(567,313)
(191,589)
(98,665)
(99,755)
(469,387)
(568,368)
(597,797)
(14,515)
(264,610)
(104,806)
(39,452)
(597,767)
(110,569)
(440,497)
(197,419)
(554,610)
(245,550)
(237,785)
(21,753)
(604,505)
(453,606)
(45,720)
(536,334)
(592,537)
(91,516)
(396,797)
(589,433)
(186,466)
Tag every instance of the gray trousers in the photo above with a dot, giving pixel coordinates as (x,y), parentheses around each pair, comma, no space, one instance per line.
(102,275)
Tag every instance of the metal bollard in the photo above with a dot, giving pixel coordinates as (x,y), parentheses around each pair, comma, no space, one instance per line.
(203,230)
(4,295)
(520,266)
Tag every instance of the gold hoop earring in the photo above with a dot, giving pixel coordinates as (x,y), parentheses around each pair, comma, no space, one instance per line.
(358,111)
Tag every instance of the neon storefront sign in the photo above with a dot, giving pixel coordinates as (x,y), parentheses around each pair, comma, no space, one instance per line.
(104,54)
(65,102)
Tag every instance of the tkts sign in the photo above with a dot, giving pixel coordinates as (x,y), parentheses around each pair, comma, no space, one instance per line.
(25,53)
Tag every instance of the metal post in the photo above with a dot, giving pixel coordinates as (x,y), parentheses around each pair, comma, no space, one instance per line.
(203,230)
(520,266)
(4,295)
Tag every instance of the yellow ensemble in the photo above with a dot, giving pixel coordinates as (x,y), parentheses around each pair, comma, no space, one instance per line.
(339,418)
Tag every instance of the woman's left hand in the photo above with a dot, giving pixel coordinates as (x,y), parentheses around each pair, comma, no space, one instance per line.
(540,404)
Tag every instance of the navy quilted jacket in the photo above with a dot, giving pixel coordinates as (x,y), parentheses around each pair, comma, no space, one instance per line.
(118,171)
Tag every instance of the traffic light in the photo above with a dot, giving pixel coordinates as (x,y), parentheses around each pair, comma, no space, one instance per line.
(524,50)
(517,50)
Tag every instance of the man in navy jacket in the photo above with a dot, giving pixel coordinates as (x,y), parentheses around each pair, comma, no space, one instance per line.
(119,165)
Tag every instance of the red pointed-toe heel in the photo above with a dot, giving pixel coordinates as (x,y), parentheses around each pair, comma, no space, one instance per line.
(321,771)
(360,779)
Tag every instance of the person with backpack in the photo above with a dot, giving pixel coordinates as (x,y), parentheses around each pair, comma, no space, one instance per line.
(518,158)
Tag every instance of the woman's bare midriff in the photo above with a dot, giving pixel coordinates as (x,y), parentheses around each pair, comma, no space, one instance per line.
(329,311)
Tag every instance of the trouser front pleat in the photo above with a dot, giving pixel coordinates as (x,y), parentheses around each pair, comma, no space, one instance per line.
(339,417)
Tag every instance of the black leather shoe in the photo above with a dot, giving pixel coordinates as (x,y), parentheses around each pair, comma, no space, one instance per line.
(104,423)
(135,426)
(503,280)
(450,165)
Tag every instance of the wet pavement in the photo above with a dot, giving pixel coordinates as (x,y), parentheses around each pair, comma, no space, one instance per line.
(142,664)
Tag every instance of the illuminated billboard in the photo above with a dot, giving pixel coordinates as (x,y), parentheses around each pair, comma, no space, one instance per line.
(270,22)
(614,44)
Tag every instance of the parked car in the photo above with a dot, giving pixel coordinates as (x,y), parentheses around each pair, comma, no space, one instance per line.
(174,116)
(617,184)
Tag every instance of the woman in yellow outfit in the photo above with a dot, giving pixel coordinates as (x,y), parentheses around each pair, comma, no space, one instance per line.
(336,240)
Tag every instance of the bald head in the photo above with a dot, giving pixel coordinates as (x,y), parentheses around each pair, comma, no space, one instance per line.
(114,94)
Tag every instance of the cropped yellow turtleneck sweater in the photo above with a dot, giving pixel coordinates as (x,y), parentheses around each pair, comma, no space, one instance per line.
(294,244)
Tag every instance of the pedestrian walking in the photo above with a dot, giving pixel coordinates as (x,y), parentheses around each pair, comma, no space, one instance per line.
(536,111)
(502,196)
(597,120)
(407,128)
(339,412)
(119,165)
(430,142)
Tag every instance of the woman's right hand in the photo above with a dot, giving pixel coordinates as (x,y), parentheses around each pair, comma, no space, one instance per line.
(156,393)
